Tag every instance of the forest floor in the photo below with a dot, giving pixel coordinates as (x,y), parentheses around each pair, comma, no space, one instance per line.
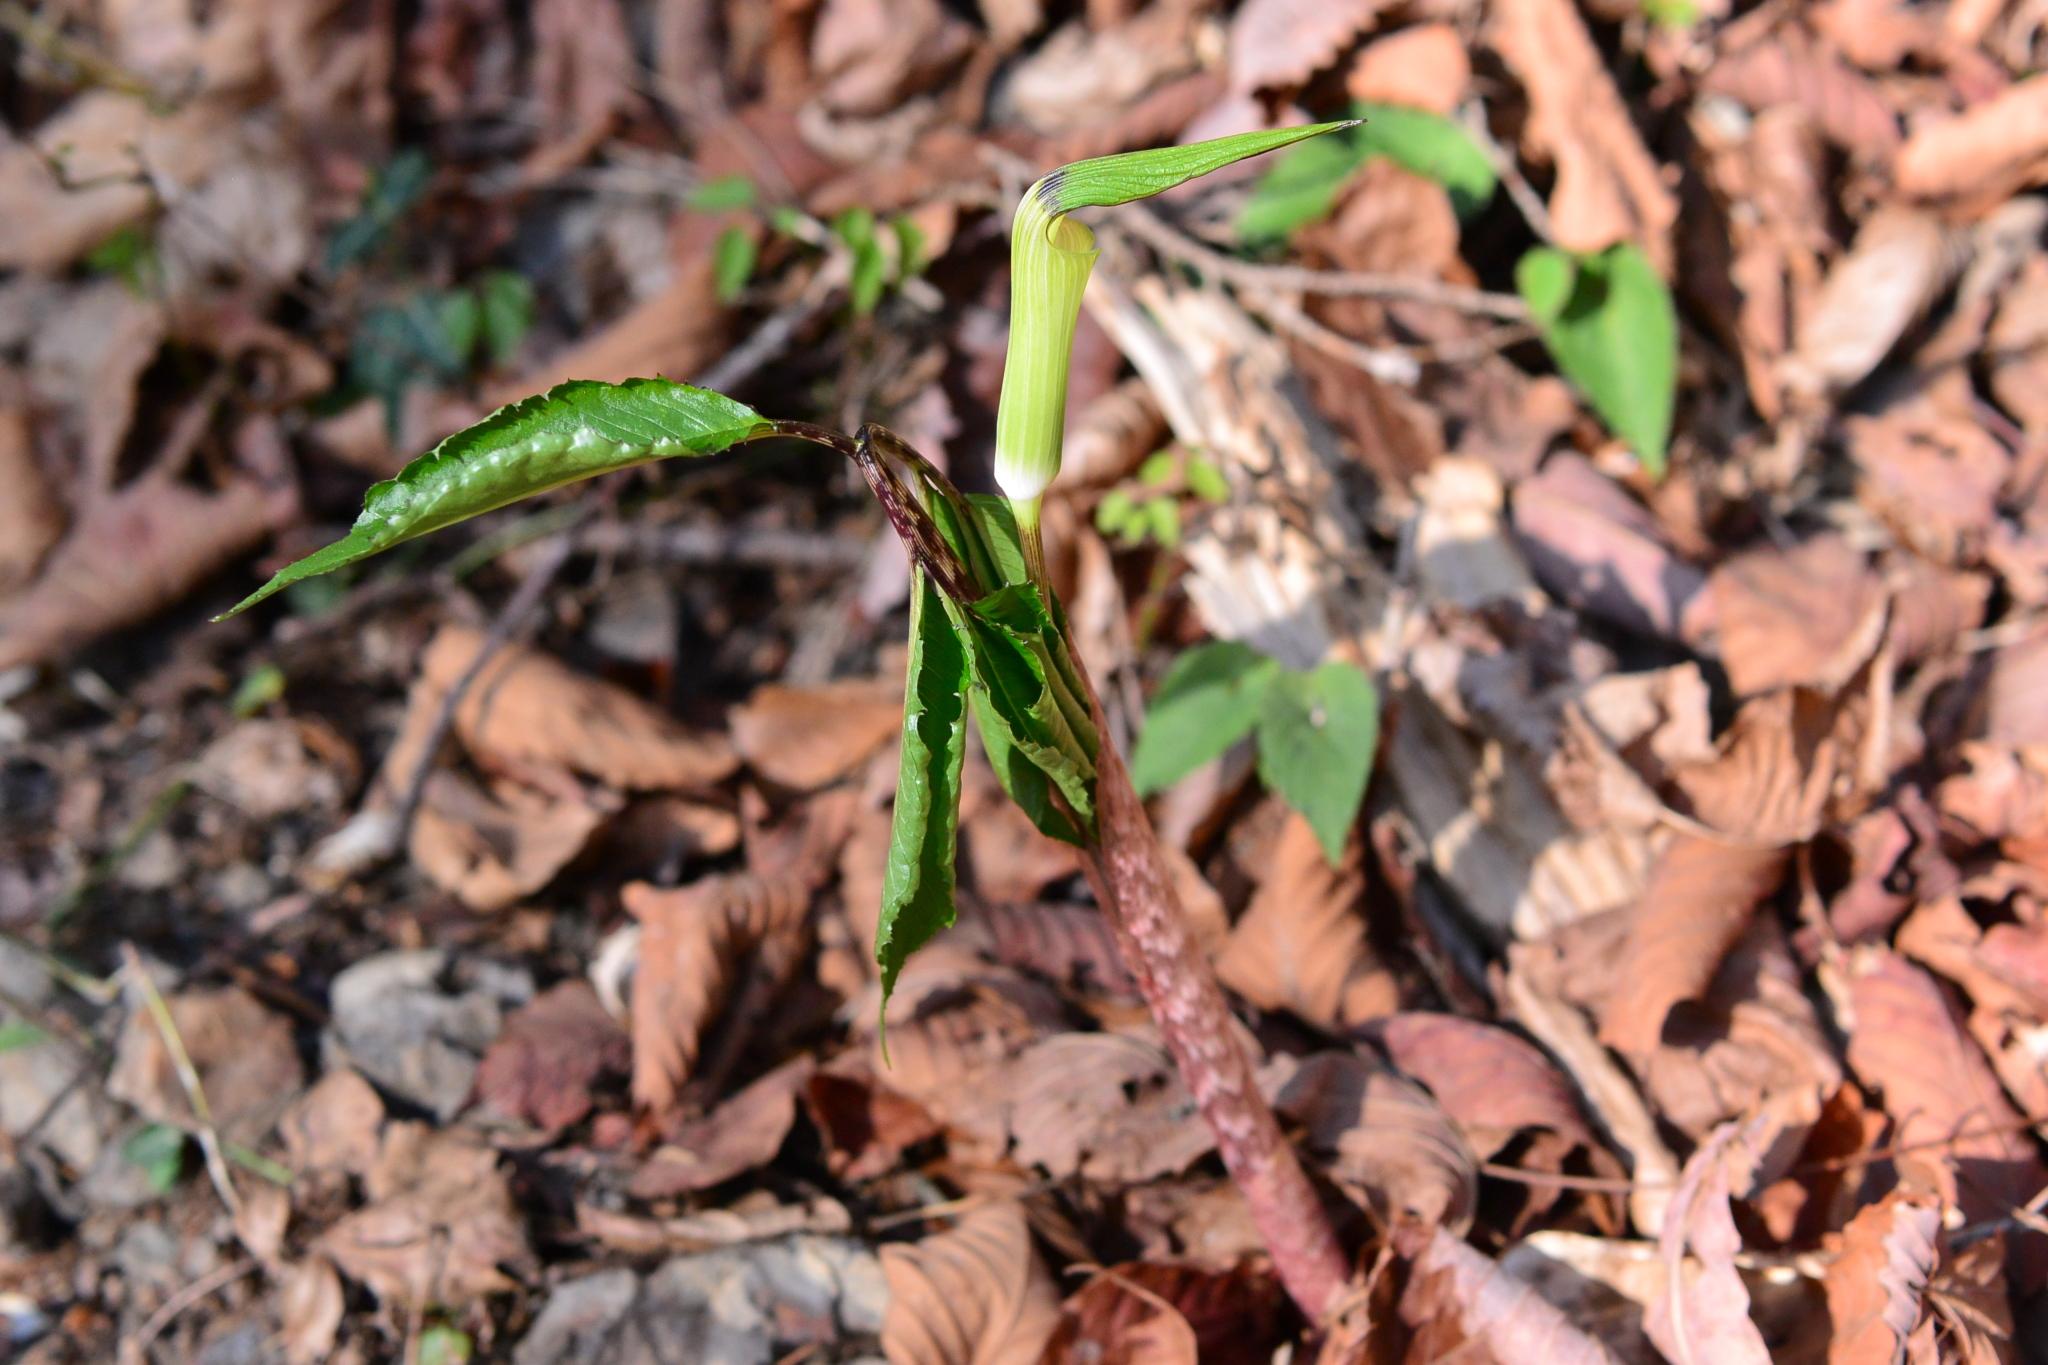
(468,956)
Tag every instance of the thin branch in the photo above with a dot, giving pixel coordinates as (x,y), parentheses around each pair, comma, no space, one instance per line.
(1169,240)
(137,1349)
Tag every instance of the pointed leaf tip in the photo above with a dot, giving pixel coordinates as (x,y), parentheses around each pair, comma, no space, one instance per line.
(571,432)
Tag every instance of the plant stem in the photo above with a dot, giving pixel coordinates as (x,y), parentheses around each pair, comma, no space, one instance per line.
(1136,891)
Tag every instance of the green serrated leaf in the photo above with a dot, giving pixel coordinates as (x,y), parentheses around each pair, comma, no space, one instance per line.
(159,1150)
(732,262)
(1317,734)
(722,192)
(1298,190)
(1119,179)
(19,1033)
(1429,145)
(1031,700)
(1208,701)
(507,301)
(917,883)
(571,432)
(1206,481)
(1609,322)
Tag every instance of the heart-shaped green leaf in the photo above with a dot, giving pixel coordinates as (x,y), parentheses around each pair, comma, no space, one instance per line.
(1209,700)
(1610,325)
(1317,734)
(571,432)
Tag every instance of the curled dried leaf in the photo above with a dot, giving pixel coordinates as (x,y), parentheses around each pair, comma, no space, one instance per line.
(1876,1285)
(976,1294)
(1458,1299)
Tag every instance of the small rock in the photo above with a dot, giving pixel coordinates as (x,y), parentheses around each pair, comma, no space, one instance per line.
(398,1022)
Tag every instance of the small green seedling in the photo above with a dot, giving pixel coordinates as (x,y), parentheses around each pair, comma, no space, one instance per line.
(1317,730)
(1149,509)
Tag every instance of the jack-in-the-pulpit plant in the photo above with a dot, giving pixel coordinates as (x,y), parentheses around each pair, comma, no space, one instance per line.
(986,637)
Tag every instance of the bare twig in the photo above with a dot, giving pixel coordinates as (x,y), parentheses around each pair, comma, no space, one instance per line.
(188,1077)
(136,1350)
(553,555)
(1163,237)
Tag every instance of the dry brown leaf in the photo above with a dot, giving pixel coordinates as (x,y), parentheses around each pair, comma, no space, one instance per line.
(1112,435)
(247,1063)
(440,1227)
(333,1127)
(525,707)
(868,55)
(1934,477)
(1971,1302)
(692,944)
(1004,857)
(2016,349)
(550,1053)
(807,737)
(582,81)
(1609,189)
(1875,1286)
(1493,1083)
(1599,551)
(309,1310)
(1225,1315)
(1808,616)
(976,1294)
(1956,1132)
(1703,1315)
(1776,767)
(2000,795)
(31,519)
(1078,77)
(1897,267)
(1276,43)
(1424,67)
(1106,1106)
(952,1019)
(2003,968)
(739,1135)
(1457,1300)
(103,141)
(130,554)
(1071,945)
(1301,945)
(1791,68)
(491,845)
(1699,900)
(866,1125)
(1386,1142)
(1986,152)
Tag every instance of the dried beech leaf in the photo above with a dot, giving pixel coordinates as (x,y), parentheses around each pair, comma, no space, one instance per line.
(1301,944)
(1991,149)
(1900,262)
(1423,67)
(1494,1083)
(956,1019)
(440,1227)
(1387,1143)
(739,1135)
(528,708)
(1284,42)
(1070,945)
(130,554)
(246,1061)
(1457,1299)
(333,1127)
(1117,1317)
(1703,1313)
(692,943)
(1599,551)
(974,1295)
(492,846)
(1112,435)
(806,737)
(1776,768)
(550,1053)
(1699,899)
(1106,1106)
(1908,1045)
(1789,68)
(1608,188)
(30,517)
(1804,617)
(1876,1284)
